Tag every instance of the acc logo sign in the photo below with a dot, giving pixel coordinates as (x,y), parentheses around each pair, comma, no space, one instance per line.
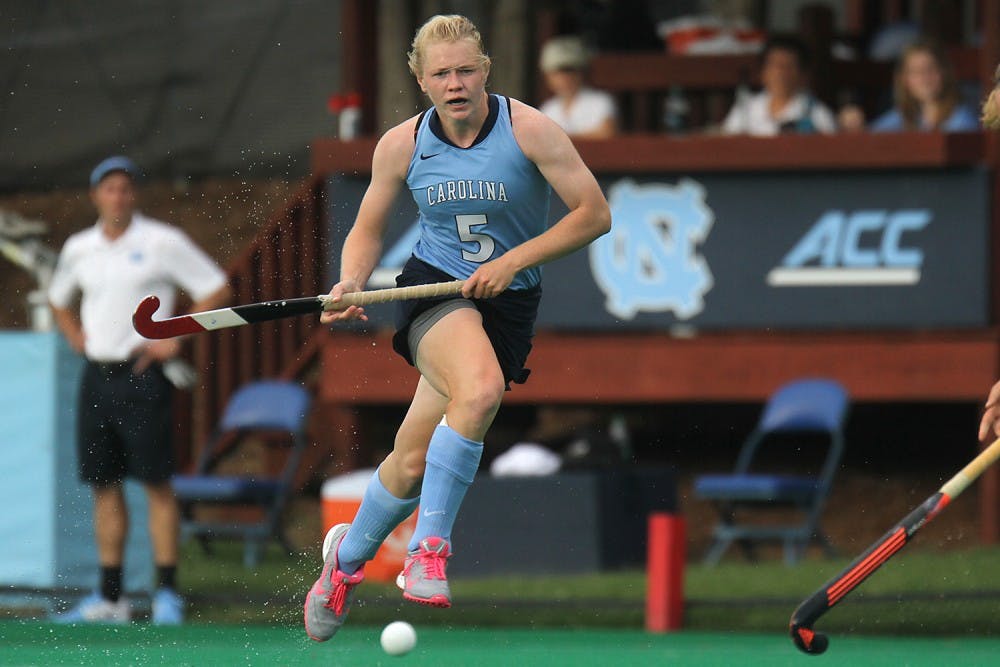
(648,261)
(859,248)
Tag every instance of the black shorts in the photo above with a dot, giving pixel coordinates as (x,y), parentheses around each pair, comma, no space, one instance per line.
(508,319)
(124,426)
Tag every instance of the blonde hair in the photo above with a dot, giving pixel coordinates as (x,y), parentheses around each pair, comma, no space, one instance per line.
(444,28)
(908,105)
(991,105)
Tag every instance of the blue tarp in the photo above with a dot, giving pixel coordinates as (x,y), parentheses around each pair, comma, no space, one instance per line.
(46,519)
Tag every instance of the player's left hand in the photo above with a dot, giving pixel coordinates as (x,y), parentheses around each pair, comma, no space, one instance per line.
(991,415)
(489,280)
(156,351)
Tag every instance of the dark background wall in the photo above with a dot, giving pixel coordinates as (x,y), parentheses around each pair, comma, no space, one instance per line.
(187,88)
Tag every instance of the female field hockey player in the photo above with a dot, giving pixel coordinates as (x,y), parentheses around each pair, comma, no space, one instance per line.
(480,167)
(989,426)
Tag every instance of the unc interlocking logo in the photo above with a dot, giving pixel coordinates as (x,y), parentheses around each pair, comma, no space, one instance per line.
(649,261)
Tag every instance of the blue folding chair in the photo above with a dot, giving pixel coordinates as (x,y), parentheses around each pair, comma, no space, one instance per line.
(272,412)
(799,409)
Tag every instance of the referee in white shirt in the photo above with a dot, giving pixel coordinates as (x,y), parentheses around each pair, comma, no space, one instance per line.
(124,426)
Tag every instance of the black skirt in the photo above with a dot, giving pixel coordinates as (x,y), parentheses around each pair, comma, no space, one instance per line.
(508,319)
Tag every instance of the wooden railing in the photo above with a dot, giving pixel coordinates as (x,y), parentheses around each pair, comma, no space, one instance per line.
(286,259)
(641,83)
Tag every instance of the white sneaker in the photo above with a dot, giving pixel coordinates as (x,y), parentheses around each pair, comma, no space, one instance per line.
(97,609)
(168,607)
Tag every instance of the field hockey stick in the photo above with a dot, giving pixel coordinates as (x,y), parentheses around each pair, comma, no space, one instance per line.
(264,311)
(801,624)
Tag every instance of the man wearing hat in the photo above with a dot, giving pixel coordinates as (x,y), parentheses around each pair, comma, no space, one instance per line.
(579,110)
(124,421)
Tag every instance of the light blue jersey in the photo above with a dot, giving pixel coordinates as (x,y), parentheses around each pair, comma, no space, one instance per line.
(476,203)
(962,119)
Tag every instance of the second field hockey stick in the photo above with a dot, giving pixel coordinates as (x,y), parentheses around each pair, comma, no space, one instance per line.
(251,313)
(801,624)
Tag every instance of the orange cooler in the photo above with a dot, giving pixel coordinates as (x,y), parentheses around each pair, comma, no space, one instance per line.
(341,497)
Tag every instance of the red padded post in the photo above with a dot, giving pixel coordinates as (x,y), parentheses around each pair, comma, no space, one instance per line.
(665,572)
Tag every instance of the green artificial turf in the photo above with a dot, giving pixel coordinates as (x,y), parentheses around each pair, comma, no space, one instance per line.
(31,643)
(918,592)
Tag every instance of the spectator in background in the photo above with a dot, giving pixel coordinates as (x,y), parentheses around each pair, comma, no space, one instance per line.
(926,95)
(124,420)
(579,110)
(785,104)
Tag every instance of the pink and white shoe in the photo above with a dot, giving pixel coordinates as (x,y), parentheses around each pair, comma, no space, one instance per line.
(423,579)
(329,599)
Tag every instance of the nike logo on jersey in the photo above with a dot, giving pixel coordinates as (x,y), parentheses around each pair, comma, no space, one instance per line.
(370,538)
(426,513)
(428,157)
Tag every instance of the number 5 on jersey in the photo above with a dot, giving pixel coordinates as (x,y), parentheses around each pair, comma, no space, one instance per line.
(465,223)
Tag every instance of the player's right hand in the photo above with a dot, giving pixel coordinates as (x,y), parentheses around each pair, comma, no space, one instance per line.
(990,424)
(339,314)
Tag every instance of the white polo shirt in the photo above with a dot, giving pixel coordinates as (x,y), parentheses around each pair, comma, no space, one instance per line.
(753,116)
(112,277)
(590,109)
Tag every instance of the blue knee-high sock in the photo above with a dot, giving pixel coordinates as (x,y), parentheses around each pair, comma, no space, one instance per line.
(452,461)
(379,514)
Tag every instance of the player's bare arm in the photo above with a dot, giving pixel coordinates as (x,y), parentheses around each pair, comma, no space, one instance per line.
(363,244)
(545,144)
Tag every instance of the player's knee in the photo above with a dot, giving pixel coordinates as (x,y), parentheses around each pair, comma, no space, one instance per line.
(481,398)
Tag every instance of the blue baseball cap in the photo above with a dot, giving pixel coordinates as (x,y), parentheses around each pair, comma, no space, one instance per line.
(111,165)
